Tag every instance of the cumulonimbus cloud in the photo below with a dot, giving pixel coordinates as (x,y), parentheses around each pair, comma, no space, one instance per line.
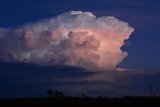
(74,38)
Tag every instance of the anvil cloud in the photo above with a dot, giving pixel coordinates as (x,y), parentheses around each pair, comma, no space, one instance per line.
(74,38)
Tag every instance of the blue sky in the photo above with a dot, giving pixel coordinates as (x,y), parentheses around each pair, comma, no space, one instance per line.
(143,15)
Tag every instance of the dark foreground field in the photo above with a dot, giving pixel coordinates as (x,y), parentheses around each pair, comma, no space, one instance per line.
(82,102)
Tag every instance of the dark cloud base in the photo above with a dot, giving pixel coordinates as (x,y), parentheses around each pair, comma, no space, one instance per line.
(22,80)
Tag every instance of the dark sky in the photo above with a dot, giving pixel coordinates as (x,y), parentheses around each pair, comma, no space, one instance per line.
(143,46)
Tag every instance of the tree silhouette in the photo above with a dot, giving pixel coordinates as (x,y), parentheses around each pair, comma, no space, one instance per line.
(83,95)
(58,94)
(50,93)
(55,94)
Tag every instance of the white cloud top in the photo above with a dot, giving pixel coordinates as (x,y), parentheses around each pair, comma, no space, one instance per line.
(74,38)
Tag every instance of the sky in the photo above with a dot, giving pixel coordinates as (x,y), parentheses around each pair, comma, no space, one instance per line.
(139,69)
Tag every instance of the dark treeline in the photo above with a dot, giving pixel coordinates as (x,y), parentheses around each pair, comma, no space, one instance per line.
(83,101)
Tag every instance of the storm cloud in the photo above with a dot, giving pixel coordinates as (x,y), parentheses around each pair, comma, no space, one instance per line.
(74,38)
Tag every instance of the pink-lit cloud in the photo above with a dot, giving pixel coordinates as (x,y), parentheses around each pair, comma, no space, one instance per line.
(74,38)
